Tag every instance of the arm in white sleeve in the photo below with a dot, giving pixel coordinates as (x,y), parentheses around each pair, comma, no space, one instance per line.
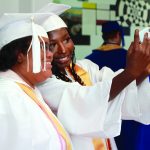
(84,110)
(137,102)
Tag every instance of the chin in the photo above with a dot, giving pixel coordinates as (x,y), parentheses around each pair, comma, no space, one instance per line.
(65,65)
(62,67)
(45,75)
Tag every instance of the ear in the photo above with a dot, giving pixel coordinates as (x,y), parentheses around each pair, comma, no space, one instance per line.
(20,58)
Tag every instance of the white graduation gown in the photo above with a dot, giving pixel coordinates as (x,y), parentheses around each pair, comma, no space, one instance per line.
(85,111)
(23,125)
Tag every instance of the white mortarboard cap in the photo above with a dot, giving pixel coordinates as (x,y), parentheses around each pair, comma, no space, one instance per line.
(53,22)
(17,25)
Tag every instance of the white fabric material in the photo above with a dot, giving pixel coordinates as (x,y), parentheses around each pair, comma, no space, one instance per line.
(20,27)
(36,51)
(23,125)
(52,23)
(85,111)
(54,8)
(137,101)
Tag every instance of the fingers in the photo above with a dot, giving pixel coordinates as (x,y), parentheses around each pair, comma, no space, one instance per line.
(136,39)
(145,44)
(138,57)
(147,48)
(148,69)
(145,37)
(131,48)
(144,47)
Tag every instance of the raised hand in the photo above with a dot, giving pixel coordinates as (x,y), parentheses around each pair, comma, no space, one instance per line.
(138,57)
(137,67)
(148,69)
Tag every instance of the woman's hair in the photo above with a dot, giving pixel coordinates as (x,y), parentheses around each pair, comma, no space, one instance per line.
(9,53)
(62,76)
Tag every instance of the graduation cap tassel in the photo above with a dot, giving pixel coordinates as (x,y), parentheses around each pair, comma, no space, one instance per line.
(44,49)
(36,51)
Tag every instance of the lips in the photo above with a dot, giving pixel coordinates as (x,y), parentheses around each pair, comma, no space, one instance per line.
(63,59)
(48,65)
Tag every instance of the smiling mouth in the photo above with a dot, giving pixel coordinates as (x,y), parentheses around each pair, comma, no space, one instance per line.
(63,59)
(48,64)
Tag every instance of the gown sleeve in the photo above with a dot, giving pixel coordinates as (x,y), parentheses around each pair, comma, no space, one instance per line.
(85,110)
(137,102)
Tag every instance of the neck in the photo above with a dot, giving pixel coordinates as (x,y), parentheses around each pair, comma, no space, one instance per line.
(24,76)
(112,42)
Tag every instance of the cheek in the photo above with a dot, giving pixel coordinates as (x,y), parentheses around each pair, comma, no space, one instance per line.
(54,54)
(71,47)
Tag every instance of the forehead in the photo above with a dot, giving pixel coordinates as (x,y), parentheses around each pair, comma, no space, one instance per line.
(59,33)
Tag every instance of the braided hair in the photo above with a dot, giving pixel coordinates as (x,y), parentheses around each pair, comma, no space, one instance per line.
(62,76)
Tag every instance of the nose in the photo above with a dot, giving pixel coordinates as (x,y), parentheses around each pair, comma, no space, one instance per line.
(61,48)
(49,55)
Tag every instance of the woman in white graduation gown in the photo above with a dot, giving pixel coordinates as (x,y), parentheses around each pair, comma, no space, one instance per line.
(86,111)
(26,122)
